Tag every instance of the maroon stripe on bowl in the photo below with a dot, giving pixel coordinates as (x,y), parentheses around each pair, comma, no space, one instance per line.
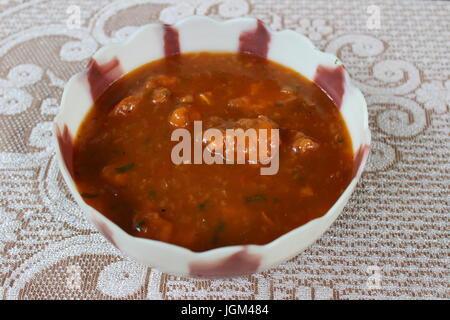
(100,77)
(332,82)
(238,263)
(360,155)
(255,41)
(105,231)
(171,41)
(65,142)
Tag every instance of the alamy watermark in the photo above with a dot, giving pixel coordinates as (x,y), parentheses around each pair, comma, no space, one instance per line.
(230,146)
(74,19)
(73,280)
(374,20)
(374,280)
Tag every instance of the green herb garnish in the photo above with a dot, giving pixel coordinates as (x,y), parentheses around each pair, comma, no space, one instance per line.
(182,103)
(125,168)
(203,205)
(152,194)
(118,152)
(257,197)
(139,226)
(89,195)
(217,231)
(279,103)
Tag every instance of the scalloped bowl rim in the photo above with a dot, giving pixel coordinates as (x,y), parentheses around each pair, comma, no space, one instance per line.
(226,250)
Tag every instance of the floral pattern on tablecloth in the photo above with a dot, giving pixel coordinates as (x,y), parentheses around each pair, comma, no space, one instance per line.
(391,241)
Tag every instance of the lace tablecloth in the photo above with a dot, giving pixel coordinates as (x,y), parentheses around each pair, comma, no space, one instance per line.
(391,241)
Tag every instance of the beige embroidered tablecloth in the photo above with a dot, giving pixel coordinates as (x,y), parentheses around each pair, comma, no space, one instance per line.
(391,241)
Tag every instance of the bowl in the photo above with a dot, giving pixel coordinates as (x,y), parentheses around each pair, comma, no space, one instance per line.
(194,34)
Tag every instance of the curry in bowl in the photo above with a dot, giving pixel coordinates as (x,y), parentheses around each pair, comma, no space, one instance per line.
(123,164)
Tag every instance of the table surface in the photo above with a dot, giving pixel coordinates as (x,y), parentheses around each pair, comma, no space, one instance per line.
(392,239)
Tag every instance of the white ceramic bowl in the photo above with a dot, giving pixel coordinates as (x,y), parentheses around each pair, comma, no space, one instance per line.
(194,34)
